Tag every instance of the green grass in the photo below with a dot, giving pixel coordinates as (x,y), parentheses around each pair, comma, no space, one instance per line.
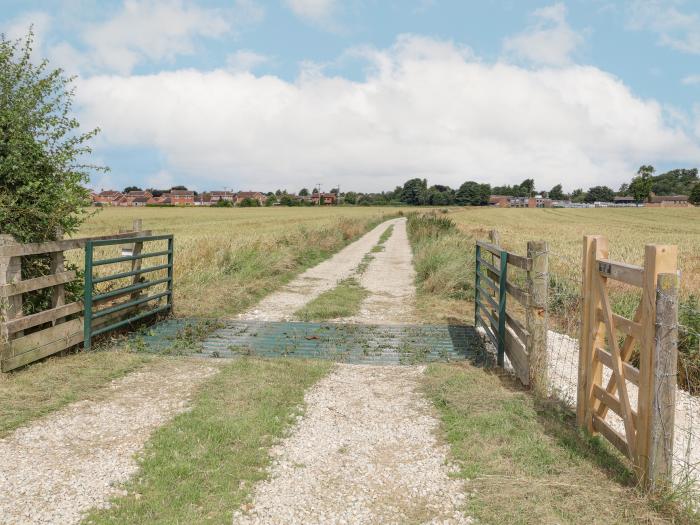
(202,466)
(342,301)
(43,387)
(524,461)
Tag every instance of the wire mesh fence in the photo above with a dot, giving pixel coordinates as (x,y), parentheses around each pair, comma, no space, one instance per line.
(565,303)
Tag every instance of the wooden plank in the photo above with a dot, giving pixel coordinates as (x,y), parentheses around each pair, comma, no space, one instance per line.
(489,282)
(515,325)
(657,259)
(665,371)
(22,323)
(611,401)
(518,294)
(626,273)
(39,339)
(42,351)
(624,325)
(489,266)
(63,245)
(29,285)
(524,263)
(489,247)
(492,302)
(611,435)
(519,358)
(10,309)
(631,373)
(618,369)
(590,371)
(536,314)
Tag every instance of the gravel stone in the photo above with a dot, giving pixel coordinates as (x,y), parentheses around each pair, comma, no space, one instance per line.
(58,467)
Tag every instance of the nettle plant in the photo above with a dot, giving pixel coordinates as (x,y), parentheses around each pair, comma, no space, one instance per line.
(42,174)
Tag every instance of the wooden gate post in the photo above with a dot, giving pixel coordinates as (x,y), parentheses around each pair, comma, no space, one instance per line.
(657,259)
(58,294)
(590,371)
(136,264)
(537,316)
(664,370)
(10,307)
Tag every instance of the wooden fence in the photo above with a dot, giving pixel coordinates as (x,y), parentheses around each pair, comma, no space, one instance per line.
(648,428)
(27,338)
(525,343)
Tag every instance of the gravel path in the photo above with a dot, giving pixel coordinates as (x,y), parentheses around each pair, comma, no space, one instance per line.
(281,305)
(58,467)
(390,280)
(365,452)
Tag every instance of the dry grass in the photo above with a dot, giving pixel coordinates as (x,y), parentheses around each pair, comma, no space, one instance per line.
(525,462)
(226,259)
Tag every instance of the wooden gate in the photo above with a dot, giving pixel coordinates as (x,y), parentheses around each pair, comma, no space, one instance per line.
(647,438)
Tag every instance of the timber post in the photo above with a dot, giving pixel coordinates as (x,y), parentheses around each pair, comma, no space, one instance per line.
(10,306)
(664,372)
(58,294)
(136,263)
(536,314)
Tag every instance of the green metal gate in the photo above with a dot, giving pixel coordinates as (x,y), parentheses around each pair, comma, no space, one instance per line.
(100,320)
(495,278)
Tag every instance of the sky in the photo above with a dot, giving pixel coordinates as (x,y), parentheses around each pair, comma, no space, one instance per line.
(365,94)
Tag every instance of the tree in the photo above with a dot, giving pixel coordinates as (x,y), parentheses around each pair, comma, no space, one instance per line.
(249,203)
(578,195)
(640,188)
(303,192)
(600,194)
(132,188)
(181,188)
(335,190)
(271,200)
(527,187)
(556,193)
(473,194)
(314,191)
(223,203)
(694,196)
(350,197)
(287,200)
(414,192)
(42,171)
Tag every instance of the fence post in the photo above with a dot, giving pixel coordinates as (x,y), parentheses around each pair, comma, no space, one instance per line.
(665,370)
(590,371)
(500,357)
(58,294)
(658,259)
(87,297)
(10,307)
(537,315)
(136,263)
(477,283)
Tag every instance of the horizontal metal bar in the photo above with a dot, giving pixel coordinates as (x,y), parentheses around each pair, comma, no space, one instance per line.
(130,258)
(129,274)
(130,320)
(128,304)
(128,289)
(108,242)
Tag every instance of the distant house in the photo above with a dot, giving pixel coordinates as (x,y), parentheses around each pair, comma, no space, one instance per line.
(217,196)
(139,201)
(161,199)
(326,199)
(135,198)
(203,199)
(624,199)
(499,201)
(255,195)
(182,197)
(507,201)
(669,201)
(107,197)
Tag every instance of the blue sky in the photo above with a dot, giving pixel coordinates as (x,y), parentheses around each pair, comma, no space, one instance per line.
(247,94)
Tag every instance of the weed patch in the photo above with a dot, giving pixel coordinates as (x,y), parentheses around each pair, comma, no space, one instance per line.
(342,301)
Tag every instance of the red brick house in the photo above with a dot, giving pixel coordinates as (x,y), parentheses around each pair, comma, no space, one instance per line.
(182,197)
(256,195)
(135,198)
(217,196)
(107,198)
(324,198)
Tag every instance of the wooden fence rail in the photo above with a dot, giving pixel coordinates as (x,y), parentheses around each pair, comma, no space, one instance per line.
(26,338)
(647,437)
(525,344)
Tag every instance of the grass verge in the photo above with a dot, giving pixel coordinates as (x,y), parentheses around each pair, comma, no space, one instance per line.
(525,462)
(202,466)
(48,385)
(342,301)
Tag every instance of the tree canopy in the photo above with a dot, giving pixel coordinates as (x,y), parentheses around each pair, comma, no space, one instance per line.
(42,174)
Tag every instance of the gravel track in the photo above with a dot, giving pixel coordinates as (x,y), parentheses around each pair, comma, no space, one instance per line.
(60,466)
(281,305)
(389,279)
(364,452)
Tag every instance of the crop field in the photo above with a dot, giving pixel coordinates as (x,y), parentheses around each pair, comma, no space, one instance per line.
(228,258)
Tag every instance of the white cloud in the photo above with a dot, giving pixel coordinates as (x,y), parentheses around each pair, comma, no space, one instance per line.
(675,28)
(319,11)
(425,110)
(550,40)
(691,80)
(245,60)
(18,28)
(150,31)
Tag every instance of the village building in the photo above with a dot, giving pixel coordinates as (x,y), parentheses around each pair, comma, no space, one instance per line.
(217,196)
(182,197)
(255,195)
(107,198)
(668,201)
(324,199)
